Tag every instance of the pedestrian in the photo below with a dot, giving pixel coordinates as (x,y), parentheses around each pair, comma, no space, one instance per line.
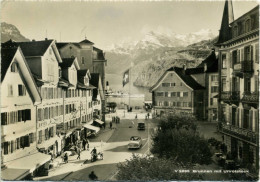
(110,125)
(118,120)
(136,116)
(87,143)
(92,176)
(145,116)
(148,115)
(84,142)
(66,158)
(78,152)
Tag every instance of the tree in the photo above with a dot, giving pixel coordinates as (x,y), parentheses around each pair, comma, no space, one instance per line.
(177,139)
(153,168)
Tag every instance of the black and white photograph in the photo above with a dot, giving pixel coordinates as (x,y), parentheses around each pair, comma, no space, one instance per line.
(110,90)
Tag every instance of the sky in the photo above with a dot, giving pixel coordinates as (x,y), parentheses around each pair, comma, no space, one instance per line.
(106,23)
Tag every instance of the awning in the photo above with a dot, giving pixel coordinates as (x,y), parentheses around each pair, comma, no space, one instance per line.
(48,143)
(99,121)
(90,87)
(88,126)
(30,162)
(81,86)
(11,174)
(63,83)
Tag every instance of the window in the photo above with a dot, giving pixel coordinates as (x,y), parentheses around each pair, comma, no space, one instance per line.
(211,101)
(46,134)
(40,137)
(214,78)
(173,94)
(256,83)
(31,137)
(234,57)
(82,60)
(60,73)
(247,85)
(223,84)
(165,84)
(224,61)
(14,67)
(247,53)
(6,146)
(185,94)
(179,104)
(172,84)
(166,103)
(159,94)
(235,31)
(181,84)
(257,53)
(178,94)
(173,103)
(214,89)
(185,104)
(10,91)
(167,94)
(21,90)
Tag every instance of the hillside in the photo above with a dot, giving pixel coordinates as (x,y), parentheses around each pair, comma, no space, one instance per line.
(155,53)
(9,31)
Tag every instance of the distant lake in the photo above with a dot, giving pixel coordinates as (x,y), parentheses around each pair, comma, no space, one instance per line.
(116,84)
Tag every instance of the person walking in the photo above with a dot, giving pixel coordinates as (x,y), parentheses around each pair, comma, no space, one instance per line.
(66,158)
(87,143)
(148,115)
(84,142)
(78,152)
(110,125)
(136,116)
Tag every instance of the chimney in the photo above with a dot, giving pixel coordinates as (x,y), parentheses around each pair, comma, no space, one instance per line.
(46,38)
(33,40)
(184,67)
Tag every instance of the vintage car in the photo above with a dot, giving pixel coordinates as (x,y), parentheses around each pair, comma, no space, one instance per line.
(135,142)
(141,125)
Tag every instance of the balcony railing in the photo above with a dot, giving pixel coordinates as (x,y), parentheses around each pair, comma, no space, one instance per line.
(242,133)
(245,66)
(230,96)
(251,97)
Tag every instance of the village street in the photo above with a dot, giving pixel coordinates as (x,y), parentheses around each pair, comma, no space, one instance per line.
(113,144)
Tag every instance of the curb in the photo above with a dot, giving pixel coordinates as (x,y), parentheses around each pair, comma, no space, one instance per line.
(66,175)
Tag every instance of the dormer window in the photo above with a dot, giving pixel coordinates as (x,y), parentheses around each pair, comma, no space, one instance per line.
(248,25)
(235,31)
(14,67)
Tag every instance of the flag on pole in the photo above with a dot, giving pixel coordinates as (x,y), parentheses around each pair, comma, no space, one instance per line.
(126,77)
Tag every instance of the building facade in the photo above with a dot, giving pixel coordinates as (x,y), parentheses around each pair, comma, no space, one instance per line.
(19,100)
(239,85)
(178,92)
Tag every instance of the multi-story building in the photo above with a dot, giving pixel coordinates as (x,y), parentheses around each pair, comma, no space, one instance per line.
(89,57)
(20,97)
(239,80)
(177,91)
(206,74)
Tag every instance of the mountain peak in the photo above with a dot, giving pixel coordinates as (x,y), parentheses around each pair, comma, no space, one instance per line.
(9,31)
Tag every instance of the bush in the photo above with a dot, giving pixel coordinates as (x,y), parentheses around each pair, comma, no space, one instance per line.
(153,168)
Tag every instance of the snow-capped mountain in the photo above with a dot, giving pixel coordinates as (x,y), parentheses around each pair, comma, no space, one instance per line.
(9,31)
(160,38)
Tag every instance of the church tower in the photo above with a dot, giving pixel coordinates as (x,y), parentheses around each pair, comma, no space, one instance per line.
(227,18)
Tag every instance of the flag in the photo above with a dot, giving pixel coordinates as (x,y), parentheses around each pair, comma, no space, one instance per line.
(126,77)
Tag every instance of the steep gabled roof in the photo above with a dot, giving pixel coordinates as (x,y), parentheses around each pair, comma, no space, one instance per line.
(212,65)
(66,62)
(86,41)
(187,79)
(7,55)
(34,48)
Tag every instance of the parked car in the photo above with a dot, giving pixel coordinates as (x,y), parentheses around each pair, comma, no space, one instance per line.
(141,125)
(135,142)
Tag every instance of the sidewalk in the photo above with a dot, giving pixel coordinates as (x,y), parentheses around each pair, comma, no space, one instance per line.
(123,114)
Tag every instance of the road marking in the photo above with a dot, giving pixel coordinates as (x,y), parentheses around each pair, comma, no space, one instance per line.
(114,175)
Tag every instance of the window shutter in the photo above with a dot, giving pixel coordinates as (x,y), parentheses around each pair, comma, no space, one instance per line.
(230,114)
(238,55)
(23,115)
(18,143)
(237,117)
(5,148)
(257,53)
(250,119)
(27,141)
(231,60)
(28,114)
(256,120)
(251,53)
(242,54)
(242,118)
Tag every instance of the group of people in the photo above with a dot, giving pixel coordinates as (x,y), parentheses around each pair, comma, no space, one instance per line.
(147,116)
(116,119)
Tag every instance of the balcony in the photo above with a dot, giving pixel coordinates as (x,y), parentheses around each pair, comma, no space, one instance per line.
(240,133)
(230,97)
(243,67)
(250,98)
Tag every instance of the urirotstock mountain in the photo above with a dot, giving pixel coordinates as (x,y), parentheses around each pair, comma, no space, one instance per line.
(156,53)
